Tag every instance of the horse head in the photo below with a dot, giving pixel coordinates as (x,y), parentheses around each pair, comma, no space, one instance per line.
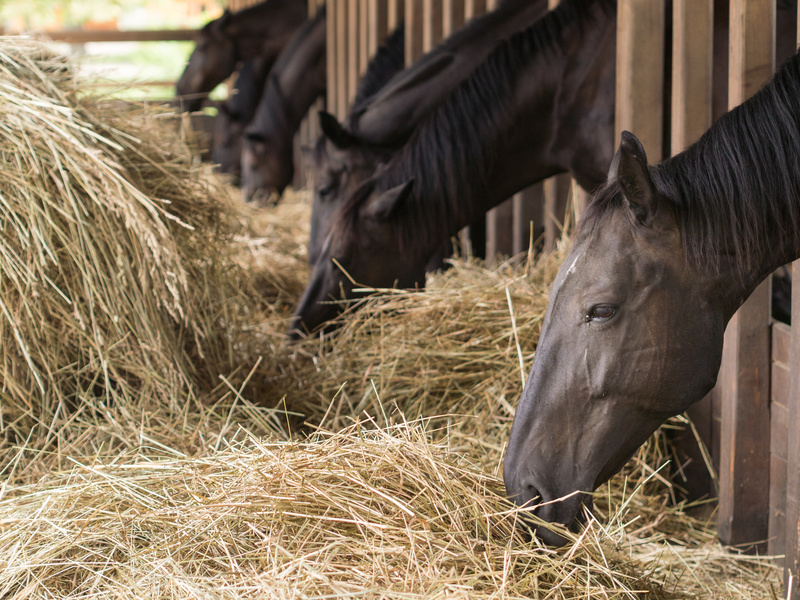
(213,59)
(340,164)
(632,335)
(226,151)
(266,170)
(363,247)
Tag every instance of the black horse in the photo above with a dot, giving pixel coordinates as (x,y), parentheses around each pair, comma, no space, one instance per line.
(260,31)
(297,79)
(542,104)
(662,258)
(235,114)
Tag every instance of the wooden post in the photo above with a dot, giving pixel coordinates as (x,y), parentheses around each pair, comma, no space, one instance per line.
(378,16)
(791,563)
(353,51)
(342,61)
(453,17)
(744,377)
(431,24)
(640,73)
(556,194)
(397,11)
(692,85)
(528,211)
(331,49)
(792,501)
(414,26)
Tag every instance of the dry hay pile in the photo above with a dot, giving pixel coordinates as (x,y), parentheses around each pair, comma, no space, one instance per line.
(361,513)
(119,303)
(141,315)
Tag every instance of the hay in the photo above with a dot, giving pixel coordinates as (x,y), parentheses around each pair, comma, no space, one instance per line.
(119,302)
(373,513)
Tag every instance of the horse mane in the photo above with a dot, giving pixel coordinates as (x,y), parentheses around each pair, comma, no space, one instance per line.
(738,186)
(448,155)
(387,62)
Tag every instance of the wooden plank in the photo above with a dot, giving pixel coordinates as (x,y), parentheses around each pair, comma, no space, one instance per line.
(692,70)
(780,384)
(364,53)
(342,61)
(414,28)
(640,68)
(138,35)
(691,116)
(431,23)
(556,195)
(499,225)
(453,16)
(473,8)
(397,11)
(743,515)
(378,12)
(528,207)
(332,55)
(353,40)
(792,502)
(791,563)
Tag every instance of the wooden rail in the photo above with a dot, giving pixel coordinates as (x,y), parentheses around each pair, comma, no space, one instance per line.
(80,36)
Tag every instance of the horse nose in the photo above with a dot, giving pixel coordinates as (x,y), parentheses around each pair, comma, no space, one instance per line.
(539,509)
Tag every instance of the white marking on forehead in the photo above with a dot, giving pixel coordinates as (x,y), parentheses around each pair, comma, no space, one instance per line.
(574,264)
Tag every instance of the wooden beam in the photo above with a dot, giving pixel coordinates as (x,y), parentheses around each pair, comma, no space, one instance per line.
(528,207)
(353,40)
(397,11)
(414,28)
(332,55)
(341,58)
(431,23)
(692,70)
(378,24)
(640,73)
(744,378)
(84,37)
(364,53)
(692,85)
(453,17)
(791,547)
(792,515)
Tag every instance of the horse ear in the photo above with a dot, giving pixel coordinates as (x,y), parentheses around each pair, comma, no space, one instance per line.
(629,168)
(333,131)
(383,206)
(223,20)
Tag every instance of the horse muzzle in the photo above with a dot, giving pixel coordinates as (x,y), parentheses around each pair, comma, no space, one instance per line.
(565,513)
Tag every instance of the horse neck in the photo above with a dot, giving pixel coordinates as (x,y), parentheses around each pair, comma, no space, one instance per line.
(736,191)
(249,87)
(293,89)
(532,134)
(390,116)
(254,29)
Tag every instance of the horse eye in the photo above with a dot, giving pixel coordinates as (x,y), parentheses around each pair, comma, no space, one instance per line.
(326,190)
(601,312)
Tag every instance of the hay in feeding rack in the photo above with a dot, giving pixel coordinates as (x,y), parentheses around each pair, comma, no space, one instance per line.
(118,301)
(373,513)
